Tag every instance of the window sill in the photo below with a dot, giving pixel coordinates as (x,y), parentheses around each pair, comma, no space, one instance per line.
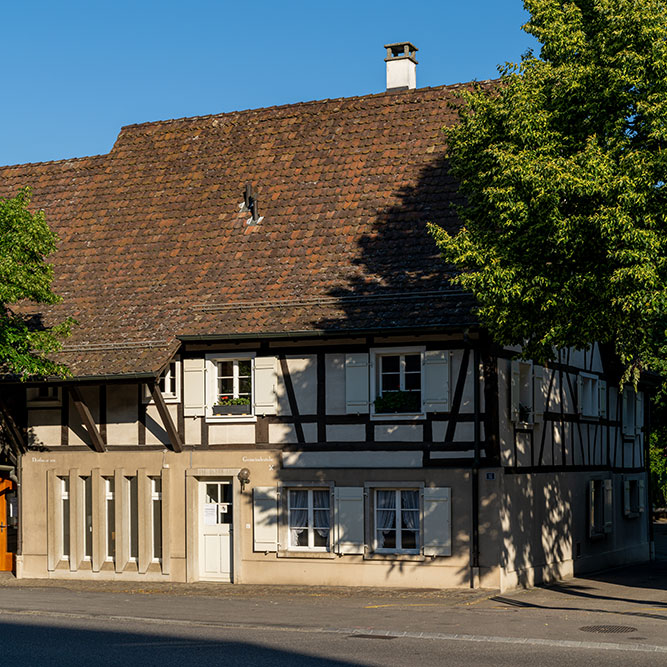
(415,558)
(44,404)
(226,419)
(397,416)
(292,553)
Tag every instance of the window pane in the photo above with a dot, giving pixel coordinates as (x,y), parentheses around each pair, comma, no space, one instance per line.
(386,539)
(245,386)
(408,539)
(298,518)
(412,363)
(321,537)
(244,368)
(212,493)
(410,499)
(391,382)
(65,509)
(111,531)
(299,537)
(298,499)
(225,368)
(412,381)
(87,517)
(391,364)
(226,387)
(157,529)
(134,518)
(386,499)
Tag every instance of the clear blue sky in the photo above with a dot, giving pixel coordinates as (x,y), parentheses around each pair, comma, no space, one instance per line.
(74,72)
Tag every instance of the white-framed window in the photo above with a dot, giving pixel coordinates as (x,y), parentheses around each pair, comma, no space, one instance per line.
(634,502)
(522,397)
(397,382)
(132,509)
(64,518)
(589,395)
(309,519)
(397,521)
(109,518)
(600,507)
(87,518)
(169,384)
(44,396)
(230,387)
(156,517)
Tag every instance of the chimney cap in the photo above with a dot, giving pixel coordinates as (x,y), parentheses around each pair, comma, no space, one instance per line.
(401,50)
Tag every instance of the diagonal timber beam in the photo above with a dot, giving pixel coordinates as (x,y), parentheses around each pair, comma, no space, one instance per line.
(87,420)
(165,416)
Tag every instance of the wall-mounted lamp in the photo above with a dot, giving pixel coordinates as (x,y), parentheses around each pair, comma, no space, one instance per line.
(243,477)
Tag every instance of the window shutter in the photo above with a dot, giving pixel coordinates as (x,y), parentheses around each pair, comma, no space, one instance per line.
(626,425)
(538,393)
(608,506)
(349,519)
(265,385)
(437,522)
(626,497)
(194,382)
(602,401)
(639,412)
(642,501)
(515,390)
(356,383)
(265,518)
(580,394)
(436,381)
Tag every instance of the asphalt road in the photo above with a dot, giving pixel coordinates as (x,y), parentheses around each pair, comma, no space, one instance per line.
(616,618)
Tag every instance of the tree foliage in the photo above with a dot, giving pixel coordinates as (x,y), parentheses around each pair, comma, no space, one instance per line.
(562,166)
(25,242)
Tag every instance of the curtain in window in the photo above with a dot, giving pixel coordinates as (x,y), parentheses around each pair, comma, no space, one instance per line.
(322,515)
(298,518)
(410,506)
(385,514)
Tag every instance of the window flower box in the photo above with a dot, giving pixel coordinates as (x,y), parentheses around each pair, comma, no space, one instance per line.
(231,409)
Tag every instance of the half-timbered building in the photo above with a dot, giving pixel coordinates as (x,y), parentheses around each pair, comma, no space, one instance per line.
(273,381)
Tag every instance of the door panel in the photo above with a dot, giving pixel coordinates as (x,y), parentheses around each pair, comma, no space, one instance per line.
(215,530)
(8,527)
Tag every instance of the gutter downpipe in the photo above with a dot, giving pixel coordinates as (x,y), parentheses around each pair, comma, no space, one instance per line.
(474,569)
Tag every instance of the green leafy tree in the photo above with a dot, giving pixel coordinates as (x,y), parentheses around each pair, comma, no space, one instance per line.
(562,166)
(25,242)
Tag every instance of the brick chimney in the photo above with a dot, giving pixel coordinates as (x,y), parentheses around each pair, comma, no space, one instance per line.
(401,66)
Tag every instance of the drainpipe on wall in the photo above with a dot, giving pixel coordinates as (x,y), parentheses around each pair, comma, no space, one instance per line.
(474,569)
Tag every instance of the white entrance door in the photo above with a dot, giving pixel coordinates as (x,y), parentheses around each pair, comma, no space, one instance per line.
(215,530)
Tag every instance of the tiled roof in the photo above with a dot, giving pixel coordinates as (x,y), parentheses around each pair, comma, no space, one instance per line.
(153,244)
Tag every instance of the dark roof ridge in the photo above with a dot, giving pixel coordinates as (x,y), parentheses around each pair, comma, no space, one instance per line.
(276,107)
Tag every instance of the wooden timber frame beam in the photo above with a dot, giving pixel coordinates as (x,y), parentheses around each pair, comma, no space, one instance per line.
(87,420)
(165,416)
(15,434)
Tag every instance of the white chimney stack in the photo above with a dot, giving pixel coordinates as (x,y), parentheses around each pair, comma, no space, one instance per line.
(401,66)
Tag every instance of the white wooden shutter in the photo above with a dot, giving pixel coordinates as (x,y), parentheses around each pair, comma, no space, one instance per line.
(437,522)
(265,518)
(627,508)
(642,500)
(265,386)
(436,381)
(639,412)
(608,506)
(539,399)
(602,400)
(515,390)
(356,383)
(349,519)
(194,387)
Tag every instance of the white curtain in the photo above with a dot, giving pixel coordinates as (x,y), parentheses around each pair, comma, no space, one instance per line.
(322,513)
(298,517)
(385,515)
(410,507)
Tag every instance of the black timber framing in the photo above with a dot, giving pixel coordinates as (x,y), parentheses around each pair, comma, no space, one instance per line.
(165,416)
(97,443)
